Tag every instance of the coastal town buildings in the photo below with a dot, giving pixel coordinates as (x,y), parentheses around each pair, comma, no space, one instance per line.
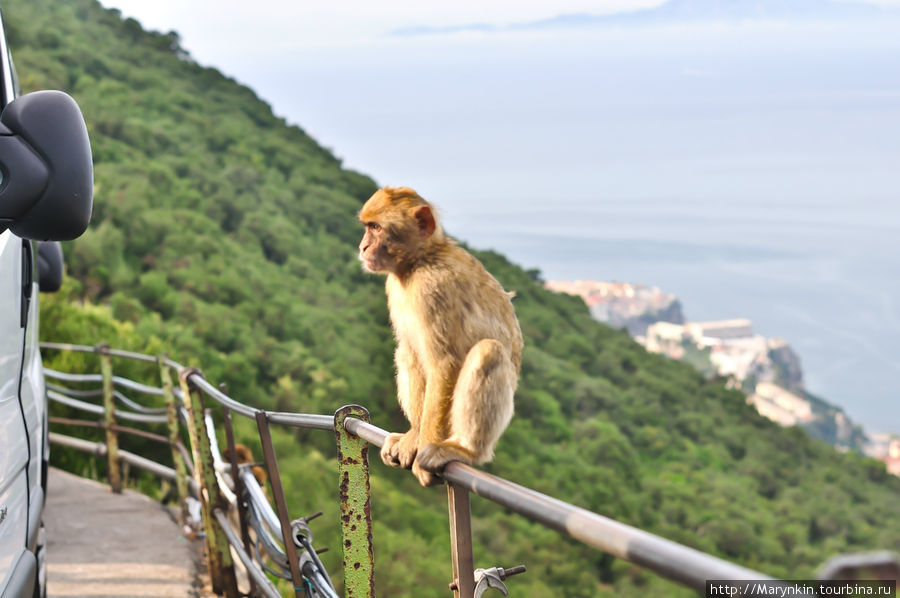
(886,447)
(766,369)
(732,349)
(780,405)
(622,304)
(893,458)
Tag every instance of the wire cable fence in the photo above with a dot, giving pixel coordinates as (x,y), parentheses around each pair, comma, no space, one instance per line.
(240,524)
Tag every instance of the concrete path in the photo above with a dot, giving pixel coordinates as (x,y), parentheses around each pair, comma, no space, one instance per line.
(102,544)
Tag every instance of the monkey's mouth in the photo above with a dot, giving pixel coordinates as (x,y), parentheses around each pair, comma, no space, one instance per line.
(369,264)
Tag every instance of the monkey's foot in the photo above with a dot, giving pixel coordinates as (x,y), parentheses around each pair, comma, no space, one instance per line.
(433,457)
(399,450)
(426,478)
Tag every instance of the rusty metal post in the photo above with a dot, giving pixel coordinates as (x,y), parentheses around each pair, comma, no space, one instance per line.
(114,472)
(461,541)
(221,566)
(265,438)
(181,480)
(356,514)
(238,484)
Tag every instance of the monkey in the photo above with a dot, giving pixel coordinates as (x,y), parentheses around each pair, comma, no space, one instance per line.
(244,456)
(458,342)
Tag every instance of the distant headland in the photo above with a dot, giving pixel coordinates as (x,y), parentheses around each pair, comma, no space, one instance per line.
(766,369)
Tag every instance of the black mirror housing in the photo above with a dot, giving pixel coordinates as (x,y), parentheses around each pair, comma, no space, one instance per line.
(47,184)
(50,266)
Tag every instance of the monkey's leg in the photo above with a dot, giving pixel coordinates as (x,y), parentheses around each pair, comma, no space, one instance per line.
(481,410)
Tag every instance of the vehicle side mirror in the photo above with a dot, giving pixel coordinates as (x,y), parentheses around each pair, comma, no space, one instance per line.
(47,183)
(50,266)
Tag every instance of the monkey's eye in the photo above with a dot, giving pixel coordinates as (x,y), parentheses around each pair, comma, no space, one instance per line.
(373,226)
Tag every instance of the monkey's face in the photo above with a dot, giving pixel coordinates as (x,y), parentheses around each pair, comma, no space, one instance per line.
(399,225)
(374,249)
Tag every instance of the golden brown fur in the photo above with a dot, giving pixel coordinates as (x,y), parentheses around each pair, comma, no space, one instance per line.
(244,456)
(459,346)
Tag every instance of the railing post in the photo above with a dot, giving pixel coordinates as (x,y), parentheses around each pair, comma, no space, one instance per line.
(218,553)
(114,473)
(287,533)
(461,541)
(240,504)
(181,483)
(356,514)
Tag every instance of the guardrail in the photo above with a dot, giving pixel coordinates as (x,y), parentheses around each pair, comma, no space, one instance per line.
(203,473)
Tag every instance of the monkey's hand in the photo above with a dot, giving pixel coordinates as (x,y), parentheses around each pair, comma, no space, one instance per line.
(399,450)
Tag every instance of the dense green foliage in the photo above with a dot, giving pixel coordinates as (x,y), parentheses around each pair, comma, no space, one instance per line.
(228,238)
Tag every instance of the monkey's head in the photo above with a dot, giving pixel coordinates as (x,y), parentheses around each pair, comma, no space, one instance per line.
(401,228)
(241,453)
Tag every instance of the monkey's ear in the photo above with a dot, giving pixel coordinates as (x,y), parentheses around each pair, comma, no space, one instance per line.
(425,219)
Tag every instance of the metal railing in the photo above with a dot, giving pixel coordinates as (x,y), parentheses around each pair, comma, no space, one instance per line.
(199,475)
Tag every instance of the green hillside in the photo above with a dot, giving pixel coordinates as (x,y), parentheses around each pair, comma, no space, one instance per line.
(228,238)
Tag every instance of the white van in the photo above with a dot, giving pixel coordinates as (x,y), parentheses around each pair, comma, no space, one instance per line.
(46,186)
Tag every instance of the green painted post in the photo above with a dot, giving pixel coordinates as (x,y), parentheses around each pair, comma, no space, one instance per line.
(181,480)
(356,514)
(218,552)
(114,472)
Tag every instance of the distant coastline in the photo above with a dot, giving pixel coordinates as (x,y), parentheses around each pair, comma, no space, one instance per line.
(766,369)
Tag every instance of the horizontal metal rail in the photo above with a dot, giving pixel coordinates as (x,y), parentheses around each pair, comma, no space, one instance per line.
(98,392)
(99,410)
(202,384)
(302,420)
(126,430)
(88,349)
(117,380)
(82,394)
(65,421)
(137,406)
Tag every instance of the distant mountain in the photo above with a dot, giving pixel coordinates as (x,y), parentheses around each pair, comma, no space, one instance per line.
(689,11)
(422,30)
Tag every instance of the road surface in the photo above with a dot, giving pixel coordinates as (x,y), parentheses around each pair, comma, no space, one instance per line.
(103,544)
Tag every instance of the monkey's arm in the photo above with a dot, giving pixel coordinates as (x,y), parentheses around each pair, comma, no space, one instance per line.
(410,383)
(400,449)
